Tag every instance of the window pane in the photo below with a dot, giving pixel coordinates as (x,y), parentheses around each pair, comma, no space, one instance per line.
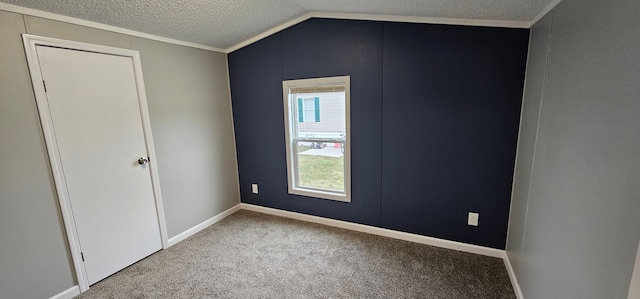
(309,111)
(317,137)
(321,165)
(331,123)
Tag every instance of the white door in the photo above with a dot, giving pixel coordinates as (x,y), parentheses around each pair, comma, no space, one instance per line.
(95,113)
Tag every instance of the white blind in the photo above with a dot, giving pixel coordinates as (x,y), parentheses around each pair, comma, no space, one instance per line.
(316,89)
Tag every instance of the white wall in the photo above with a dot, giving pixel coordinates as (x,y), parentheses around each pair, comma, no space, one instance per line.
(189,104)
(34,259)
(634,289)
(537,61)
(192,127)
(574,227)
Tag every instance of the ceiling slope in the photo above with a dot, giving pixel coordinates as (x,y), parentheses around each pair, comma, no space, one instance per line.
(228,24)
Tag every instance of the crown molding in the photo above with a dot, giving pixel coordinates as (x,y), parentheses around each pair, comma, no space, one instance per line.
(544,12)
(276,29)
(422,20)
(269,32)
(386,18)
(96,25)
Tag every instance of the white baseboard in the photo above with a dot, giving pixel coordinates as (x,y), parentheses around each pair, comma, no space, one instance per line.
(380,231)
(68,293)
(512,276)
(486,251)
(190,232)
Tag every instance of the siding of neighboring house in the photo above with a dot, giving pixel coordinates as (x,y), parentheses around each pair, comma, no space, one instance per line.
(332,114)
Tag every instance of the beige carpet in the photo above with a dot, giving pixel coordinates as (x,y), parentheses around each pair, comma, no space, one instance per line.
(252,255)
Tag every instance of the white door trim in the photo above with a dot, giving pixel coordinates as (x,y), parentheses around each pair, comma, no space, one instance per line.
(30,44)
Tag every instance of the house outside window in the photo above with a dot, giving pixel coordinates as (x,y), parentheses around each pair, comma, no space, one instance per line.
(317,136)
(309,109)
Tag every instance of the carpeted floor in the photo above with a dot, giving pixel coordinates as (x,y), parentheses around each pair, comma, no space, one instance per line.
(253,255)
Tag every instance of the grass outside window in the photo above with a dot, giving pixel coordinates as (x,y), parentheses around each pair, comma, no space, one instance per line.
(321,171)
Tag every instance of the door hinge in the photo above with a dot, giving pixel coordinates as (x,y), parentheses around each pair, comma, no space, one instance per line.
(45,86)
(82,256)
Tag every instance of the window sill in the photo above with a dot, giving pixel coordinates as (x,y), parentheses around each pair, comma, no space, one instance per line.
(321,194)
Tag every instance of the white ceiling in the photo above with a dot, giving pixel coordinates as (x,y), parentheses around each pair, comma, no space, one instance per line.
(225,23)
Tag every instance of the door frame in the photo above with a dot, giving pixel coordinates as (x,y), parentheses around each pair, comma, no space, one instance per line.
(30,44)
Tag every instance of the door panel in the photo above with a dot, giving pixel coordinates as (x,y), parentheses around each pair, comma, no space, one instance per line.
(96,118)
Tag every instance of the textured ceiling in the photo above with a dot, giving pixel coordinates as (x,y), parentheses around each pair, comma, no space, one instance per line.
(224,23)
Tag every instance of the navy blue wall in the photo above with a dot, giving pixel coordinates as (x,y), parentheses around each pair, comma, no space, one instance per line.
(452,98)
(434,121)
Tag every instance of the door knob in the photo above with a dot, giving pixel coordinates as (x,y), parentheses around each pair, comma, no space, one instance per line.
(143,161)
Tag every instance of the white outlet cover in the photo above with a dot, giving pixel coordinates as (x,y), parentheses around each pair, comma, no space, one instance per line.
(473,219)
(254,188)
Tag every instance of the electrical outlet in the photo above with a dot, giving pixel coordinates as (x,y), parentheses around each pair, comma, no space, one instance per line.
(254,188)
(473,219)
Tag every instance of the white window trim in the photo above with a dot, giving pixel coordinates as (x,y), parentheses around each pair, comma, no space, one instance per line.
(291,150)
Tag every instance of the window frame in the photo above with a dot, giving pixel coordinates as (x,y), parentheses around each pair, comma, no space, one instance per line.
(291,138)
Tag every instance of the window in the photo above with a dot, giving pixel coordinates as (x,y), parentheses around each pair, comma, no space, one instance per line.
(309,109)
(317,136)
